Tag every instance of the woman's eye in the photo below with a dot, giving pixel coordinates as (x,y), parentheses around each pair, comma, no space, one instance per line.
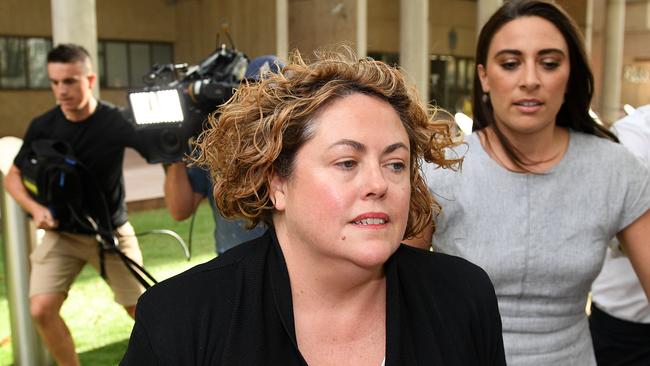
(509,65)
(397,167)
(550,64)
(346,164)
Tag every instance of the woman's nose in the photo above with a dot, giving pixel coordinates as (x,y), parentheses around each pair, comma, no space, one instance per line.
(530,77)
(375,183)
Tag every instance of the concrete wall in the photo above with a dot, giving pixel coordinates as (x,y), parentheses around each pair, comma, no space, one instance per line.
(444,15)
(252,24)
(316,24)
(383,26)
(447,17)
(141,20)
(200,22)
(25,18)
(17,108)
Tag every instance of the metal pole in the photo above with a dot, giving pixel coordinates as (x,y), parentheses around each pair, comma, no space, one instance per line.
(26,344)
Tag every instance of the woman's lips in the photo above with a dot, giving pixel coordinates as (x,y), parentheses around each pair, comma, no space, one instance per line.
(371,219)
(528,105)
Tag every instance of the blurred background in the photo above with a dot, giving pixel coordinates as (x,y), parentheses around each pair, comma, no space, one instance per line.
(432,39)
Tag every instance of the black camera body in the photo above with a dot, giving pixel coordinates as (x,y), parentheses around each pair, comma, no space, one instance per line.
(174,105)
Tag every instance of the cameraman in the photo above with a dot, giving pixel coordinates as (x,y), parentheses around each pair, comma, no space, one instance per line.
(185,187)
(98,135)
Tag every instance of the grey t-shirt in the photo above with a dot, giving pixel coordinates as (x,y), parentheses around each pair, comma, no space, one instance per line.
(540,237)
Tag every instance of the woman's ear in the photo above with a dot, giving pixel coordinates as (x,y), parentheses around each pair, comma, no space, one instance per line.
(482,76)
(277,192)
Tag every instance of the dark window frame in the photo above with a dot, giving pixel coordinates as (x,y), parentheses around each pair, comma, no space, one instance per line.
(127,43)
(103,83)
(25,50)
(452,92)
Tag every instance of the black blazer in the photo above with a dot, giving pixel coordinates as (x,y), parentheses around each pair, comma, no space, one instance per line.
(237,310)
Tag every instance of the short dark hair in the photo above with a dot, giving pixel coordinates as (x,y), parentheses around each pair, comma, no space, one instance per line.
(67,53)
(574,112)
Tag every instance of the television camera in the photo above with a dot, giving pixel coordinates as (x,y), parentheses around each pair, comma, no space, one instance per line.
(177,98)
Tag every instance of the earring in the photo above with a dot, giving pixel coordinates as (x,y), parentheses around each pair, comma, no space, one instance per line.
(485,97)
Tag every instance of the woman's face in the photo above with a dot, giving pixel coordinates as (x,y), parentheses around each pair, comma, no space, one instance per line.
(348,195)
(526,74)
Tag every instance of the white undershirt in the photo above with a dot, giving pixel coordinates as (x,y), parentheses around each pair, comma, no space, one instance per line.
(617,289)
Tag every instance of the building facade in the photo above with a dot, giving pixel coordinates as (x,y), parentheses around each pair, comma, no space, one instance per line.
(133,35)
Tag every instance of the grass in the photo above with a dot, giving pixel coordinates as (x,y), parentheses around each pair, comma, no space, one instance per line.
(99,326)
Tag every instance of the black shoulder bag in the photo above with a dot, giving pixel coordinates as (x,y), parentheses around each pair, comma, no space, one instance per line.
(55,178)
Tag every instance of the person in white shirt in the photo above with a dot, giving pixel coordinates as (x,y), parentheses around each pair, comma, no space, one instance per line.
(620,312)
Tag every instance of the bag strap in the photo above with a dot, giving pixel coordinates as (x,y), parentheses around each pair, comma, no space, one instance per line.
(106,239)
(136,270)
(107,242)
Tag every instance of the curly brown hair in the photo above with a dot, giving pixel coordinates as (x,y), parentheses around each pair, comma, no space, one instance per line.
(258,132)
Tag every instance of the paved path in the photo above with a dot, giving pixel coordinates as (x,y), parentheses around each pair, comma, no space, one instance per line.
(143,181)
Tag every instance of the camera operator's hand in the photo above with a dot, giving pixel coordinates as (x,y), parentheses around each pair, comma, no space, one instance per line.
(43,218)
(180,199)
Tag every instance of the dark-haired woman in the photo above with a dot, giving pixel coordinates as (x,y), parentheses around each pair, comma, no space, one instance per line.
(543,187)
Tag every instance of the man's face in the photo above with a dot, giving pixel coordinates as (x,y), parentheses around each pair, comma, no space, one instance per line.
(72,85)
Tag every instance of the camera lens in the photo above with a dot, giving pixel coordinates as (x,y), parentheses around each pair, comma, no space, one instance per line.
(170,142)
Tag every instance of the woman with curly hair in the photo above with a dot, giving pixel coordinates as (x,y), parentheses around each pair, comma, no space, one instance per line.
(328,156)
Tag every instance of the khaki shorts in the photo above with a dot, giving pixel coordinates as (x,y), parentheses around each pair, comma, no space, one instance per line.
(60,257)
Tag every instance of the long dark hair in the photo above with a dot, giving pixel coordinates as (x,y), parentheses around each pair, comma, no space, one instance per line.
(574,112)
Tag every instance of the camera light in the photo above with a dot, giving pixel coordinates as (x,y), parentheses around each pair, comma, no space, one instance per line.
(153,107)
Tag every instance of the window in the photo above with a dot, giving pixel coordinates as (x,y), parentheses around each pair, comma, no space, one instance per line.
(452,79)
(23,62)
(123,64)
(117,65)
(37,49)
(390,58)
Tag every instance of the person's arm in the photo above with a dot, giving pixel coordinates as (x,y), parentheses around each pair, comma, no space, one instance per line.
(422,240)
(40,214)
(180,199)
(635,241)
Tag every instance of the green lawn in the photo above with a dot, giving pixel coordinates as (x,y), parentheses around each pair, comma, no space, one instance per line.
(99,326)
